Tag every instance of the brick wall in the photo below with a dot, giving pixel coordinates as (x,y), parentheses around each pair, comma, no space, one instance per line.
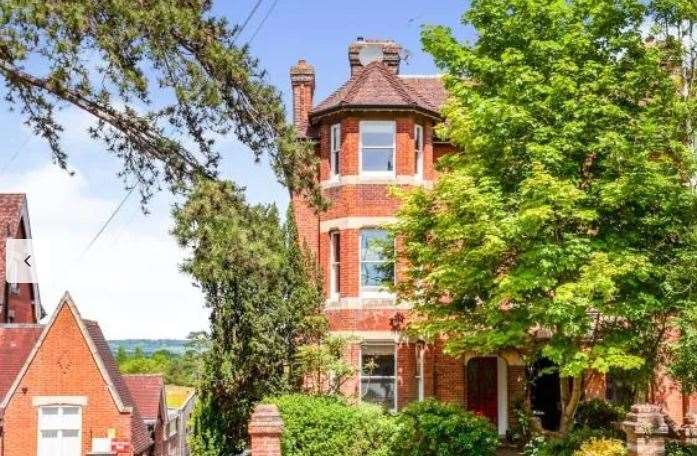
(63,367)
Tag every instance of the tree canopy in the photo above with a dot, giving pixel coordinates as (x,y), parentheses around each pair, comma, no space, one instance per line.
(162,79)
(256,283)
(565,224)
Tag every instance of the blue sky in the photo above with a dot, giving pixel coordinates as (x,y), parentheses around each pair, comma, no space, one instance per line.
(129,279)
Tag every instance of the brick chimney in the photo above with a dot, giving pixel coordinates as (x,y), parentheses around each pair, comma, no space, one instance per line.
(391,53)
(302,80)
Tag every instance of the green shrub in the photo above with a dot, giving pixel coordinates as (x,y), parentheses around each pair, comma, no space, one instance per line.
(680,449)
(567,446)
(602,447)
(598,414)
(328,426)
(431,428)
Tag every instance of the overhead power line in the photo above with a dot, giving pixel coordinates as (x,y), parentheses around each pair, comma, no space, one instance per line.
(261,24)
(249,17)
(108,221)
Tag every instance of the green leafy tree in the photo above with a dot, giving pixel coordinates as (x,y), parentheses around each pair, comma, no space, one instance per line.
(251,273)
(321,367)
(162,80)
(564,223)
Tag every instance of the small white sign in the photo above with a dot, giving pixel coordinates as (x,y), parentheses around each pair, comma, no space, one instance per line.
(20,263)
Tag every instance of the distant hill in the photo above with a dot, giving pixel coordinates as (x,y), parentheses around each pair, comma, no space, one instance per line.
(149,346)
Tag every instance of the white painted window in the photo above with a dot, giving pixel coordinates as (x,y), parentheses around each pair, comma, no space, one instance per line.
(420,372)
(335,264)
(419,151)
(377,147)
(376,260)
(379,374)
(335,152)
(59,430)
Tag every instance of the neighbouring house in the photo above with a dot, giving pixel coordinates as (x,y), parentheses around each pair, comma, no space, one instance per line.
(148,391)
(19,302)
(374,132)
(180,404)
(62,394)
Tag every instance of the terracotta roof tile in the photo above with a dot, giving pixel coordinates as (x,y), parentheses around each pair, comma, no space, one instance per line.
(377,86)
(16,342)
(146,391)
(140,437)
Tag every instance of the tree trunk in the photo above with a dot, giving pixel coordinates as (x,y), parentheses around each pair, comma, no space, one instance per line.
(569,402)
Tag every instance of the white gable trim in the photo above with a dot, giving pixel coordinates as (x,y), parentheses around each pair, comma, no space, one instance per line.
(67,300)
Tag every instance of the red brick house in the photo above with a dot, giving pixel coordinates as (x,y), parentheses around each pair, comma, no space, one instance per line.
(62,394)
(374,132)
(19,302)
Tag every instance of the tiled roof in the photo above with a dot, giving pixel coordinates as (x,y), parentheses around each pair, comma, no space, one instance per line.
(147,392)
(11,208)
(16,342)
(140,438)
(376,86)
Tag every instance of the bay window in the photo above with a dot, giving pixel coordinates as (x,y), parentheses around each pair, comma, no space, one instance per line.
(378,374)
(377,147)
(59,430)
(376,260)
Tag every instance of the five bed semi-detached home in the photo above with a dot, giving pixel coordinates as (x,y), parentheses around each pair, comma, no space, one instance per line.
(61,393)
(374,132)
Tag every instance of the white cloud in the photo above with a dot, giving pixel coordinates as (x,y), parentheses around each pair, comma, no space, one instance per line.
(129,280)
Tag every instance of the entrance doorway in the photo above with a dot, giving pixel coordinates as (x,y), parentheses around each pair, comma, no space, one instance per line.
(482,388)
(545,394)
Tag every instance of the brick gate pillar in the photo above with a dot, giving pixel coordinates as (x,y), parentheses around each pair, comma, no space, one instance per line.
(265,430)
(646,431)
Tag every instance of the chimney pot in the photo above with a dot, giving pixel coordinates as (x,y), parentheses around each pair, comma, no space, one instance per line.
(391,54)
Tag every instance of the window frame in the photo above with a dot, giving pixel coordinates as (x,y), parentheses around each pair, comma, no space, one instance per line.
(393,147)
(420,373)
(334,265)
(361,376)
(41,427)
(418,151)
(374,292)
(334,151)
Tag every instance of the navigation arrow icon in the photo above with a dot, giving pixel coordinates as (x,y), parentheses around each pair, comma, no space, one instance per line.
(26,260)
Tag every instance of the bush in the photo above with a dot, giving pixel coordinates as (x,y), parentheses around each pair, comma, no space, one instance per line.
(328,426)
(431,428)
(567,446)
(598,414)
(602,447)
(680,449)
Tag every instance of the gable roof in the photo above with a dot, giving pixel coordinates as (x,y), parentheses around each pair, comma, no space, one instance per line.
(106,364)
(140,438)
(13,214)
(377,87)
(16,342)
(147,391)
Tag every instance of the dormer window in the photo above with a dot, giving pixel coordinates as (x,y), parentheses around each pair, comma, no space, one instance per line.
(335,153)
(377,148)
(418,151)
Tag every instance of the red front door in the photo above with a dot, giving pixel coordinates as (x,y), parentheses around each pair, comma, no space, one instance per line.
(482,388)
